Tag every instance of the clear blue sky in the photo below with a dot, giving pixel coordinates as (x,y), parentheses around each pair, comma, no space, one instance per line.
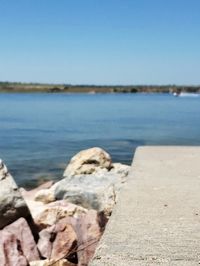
(100,41)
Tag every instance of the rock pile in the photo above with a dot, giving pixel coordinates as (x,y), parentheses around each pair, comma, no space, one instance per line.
(59,224)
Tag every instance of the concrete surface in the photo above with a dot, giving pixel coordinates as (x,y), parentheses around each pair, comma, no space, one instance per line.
(157,219)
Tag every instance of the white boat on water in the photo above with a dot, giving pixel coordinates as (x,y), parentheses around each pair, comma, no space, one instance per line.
(186,94)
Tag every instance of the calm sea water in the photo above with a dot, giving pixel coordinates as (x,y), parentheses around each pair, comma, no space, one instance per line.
(39,133)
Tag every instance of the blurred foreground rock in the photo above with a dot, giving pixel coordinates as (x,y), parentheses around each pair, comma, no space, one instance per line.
(17,245)
(89,229)
(57,241)
(73,238)
(12,204)
(50,213)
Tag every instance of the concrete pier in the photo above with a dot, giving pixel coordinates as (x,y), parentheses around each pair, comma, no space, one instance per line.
(157,218)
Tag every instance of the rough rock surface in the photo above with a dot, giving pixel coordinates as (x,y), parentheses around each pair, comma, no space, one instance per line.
(97,191)
(17,245)
(51,213)
(12,204)
(57,241)
(10,255)
(88,161)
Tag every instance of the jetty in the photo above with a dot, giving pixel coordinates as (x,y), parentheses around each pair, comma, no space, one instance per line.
(157,218)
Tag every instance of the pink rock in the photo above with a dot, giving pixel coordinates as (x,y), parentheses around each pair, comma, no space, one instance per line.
(89,229)
(57,241)
(65,241)
(10,250)
(17,245)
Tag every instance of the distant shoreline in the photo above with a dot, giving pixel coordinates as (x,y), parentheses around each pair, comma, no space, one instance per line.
(92,89)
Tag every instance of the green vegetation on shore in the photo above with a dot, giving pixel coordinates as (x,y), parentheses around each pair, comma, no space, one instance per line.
(68,88)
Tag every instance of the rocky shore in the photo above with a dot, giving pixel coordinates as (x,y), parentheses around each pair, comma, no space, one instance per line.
(59,223)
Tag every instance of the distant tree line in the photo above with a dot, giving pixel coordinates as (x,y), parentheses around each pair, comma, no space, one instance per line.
(34,87)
